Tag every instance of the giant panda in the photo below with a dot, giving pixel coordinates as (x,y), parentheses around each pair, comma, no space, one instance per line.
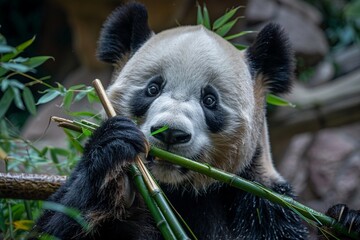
(211,97)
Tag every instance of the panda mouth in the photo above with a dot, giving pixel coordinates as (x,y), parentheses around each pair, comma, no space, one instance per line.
(165,165)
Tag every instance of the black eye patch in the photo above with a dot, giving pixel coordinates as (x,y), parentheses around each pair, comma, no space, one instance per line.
(214,113)
(143,98)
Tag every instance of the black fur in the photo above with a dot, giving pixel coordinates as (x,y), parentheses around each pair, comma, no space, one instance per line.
(221,212)
(116,143)
(214,116)
(124,31)
(141,100)
(349,218)
(228,213)
(271,56)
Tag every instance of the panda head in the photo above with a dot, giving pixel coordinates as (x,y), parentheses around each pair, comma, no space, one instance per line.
(210,95)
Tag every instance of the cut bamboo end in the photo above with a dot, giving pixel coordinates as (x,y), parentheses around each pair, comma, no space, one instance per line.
(60,120)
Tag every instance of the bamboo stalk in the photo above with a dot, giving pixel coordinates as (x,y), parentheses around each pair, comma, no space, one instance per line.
(160,221)
(254,188)
(150,182)
(110,111)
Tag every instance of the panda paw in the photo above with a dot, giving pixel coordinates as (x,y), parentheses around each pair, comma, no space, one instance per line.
(349,218)
(117,140)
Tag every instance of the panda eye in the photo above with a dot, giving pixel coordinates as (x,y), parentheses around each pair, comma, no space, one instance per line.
(153,90)
(209,101)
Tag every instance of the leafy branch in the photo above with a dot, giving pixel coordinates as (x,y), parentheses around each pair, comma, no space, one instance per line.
(222,27)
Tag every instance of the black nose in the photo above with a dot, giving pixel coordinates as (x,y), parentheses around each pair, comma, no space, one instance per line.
(171,135)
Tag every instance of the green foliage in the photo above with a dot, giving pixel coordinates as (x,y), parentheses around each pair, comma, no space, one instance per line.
(341,20)
(278,101)
(11,66)
(16,78)
(222,25)
(162,129)
(70,212)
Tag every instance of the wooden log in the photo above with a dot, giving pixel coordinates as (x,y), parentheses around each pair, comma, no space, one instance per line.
(334,104)
(29,186)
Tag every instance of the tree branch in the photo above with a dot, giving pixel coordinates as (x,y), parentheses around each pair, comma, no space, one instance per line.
(29,186)
(331,105)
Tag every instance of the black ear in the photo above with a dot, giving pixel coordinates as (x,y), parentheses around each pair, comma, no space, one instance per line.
(271,57)
(124,31)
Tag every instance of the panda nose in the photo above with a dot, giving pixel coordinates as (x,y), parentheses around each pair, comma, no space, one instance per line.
(171,136)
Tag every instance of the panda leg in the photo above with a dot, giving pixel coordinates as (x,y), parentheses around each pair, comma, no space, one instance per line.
(99,186)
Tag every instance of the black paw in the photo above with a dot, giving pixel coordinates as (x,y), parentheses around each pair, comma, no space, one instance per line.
(349,218)
(117,140)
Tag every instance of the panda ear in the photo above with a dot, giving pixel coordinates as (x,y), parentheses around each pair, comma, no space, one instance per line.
(124,31)
(271,57)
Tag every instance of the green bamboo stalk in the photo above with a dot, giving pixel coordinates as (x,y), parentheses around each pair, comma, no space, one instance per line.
(169,215)
(11,222)
(160,221)
(28,210)
(254,188)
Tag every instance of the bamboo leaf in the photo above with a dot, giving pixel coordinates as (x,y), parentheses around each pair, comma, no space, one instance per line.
(2,222)
(6,49)
(223,19)
(50,95)
(44,78)
(29,100)
(80,96)
(222,31)
(5,84)
(200,18)
(17,98)
(36,61)
(43,151)
(60,151)
(70,212)
(3,71)
(162,129)
(68,98)
(19,60)
(75,143)
(15,83)
(23,225)
(20,48)
(17,67)
(206,21)
(92,97)
(77,87)
(86,131)
(278,101)
(2,39)
(240,46)
(238,35)
(82,114)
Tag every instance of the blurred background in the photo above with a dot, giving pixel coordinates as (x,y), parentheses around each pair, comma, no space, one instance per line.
(316,146)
